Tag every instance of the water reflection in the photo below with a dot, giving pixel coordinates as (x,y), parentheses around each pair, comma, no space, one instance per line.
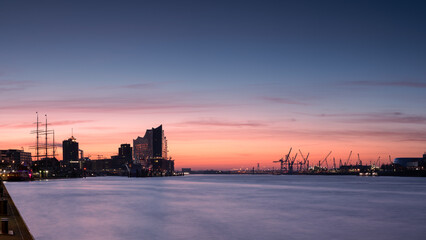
(224,207)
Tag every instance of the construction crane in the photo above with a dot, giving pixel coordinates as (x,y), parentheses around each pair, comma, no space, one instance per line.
(325,160)
(282,161)
(349,158)
(340,164)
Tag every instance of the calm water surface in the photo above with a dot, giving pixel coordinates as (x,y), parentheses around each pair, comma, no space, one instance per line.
(224,207)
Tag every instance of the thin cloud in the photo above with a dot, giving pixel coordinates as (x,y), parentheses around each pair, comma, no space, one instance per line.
(386,117)
(65,123)
(413,84)
(7,85)
(353,135)
(283,100)
(114,104)
(216,123)
(396,135)
(139,85)
(52,124)
(136,86)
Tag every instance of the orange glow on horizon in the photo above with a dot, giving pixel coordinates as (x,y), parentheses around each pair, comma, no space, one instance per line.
(220,146)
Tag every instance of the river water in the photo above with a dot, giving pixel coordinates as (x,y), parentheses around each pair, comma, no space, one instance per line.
(224,207)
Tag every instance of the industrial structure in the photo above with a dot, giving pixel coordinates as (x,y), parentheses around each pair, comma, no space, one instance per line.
(411,163)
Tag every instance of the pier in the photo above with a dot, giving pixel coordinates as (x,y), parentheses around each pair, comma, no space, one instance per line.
(12,226)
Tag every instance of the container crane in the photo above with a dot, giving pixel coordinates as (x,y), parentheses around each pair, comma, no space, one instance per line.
(377,162)
(325,160)
(334,163)
(305,160)
(349,158)
(282,161)
(290,164)
(359,160)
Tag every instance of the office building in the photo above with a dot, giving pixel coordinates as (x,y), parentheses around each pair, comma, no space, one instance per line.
(70,153)
(13,158)
(125,152)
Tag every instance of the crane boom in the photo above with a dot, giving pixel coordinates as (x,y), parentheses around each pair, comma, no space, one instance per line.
(301,154)
(282,161)
(325,159)
(288,155)
(349,158)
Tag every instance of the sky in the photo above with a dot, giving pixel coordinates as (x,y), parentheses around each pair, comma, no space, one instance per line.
(234,83)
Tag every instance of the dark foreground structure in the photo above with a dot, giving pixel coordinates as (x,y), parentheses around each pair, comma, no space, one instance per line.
(12,224)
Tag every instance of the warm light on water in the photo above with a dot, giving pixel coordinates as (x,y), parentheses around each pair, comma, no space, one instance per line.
(224,207)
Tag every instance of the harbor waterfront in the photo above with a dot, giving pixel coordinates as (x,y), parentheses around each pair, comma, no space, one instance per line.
(224,207)
(12,224)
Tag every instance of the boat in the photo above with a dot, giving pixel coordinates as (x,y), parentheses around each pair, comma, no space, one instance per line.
(17,176)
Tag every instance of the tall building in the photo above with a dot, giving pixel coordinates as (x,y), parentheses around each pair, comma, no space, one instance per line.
(152,145)
(70,150)
(125,152)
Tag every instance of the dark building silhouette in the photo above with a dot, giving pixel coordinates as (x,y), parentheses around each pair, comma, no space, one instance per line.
(152,145)
(162,165)
(158,143)
(12,159)
(109,166)
(411,163)
(70,152)
(125,152)
(46,167)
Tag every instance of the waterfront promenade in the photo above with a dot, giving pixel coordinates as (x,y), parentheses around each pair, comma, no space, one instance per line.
(16,224)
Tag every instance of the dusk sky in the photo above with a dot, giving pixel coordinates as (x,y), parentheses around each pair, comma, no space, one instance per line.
(234,83)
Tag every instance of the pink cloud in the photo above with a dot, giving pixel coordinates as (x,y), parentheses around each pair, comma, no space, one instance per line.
(57,123)
(217,123)
(384,117)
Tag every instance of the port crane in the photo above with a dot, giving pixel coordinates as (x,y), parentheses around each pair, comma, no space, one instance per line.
(290,164)
(334,163)
(282,161)
(325,160)
(305,160)
(377,163)
(349,158)
(359,160)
